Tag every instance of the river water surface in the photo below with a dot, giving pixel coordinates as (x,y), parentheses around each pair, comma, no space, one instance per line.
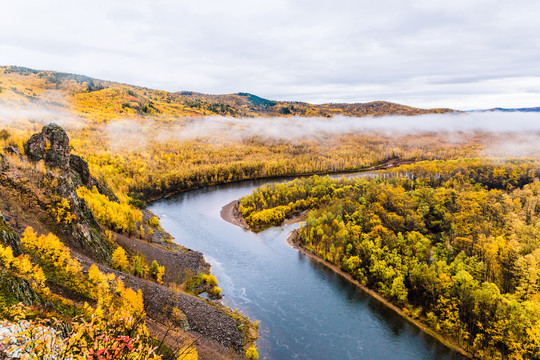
(306,310)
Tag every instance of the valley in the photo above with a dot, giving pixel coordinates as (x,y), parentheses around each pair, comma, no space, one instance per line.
(111,197)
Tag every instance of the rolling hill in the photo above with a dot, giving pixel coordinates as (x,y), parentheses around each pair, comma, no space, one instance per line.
(101,100)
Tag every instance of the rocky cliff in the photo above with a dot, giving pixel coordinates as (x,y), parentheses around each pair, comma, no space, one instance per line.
(52,146)
(35,184)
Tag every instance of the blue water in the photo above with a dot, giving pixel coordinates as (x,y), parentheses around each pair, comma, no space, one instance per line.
(305,310)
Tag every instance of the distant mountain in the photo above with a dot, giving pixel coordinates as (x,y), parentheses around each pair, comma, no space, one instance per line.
(531,109)
(105,100)
(245,104)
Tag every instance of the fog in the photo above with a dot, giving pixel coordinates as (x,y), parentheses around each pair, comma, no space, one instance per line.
(39,112)
(512,134)
(128,134)
(290,128)
(513,146)
(502,134)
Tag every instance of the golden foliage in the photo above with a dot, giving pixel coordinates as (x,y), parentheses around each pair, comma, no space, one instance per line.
(188,352)
(153,222)
(22,266)
(156,162)
(55,259)
(251,353)
(62,212)
(157,271)
(121,217)
(6,256)
(94,339)
(120,260)
(453,243)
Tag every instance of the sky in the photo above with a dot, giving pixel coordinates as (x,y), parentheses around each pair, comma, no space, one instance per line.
(462,54)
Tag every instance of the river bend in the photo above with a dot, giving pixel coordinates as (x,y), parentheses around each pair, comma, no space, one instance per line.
(306,310)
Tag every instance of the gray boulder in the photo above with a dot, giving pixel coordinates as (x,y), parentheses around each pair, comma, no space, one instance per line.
(52,145)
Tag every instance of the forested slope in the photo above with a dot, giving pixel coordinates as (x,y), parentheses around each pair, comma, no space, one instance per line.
(130,144)
(140,142)
(105,99)
(456,244)
(84,276)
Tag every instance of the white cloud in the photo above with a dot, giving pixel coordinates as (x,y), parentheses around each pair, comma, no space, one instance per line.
(225,129)
(462,54)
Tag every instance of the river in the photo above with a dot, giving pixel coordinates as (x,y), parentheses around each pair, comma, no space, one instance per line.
(306,311)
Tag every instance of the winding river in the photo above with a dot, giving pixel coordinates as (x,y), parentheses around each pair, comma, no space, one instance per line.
(306,311)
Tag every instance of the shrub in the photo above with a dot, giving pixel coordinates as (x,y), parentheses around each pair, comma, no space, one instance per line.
(209,280)
(251,353)
(118,216)
(120,260)
(215,292)
(139,266)
(157,271)
(153,222)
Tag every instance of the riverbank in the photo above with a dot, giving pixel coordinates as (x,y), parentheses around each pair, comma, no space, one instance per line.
(386,164)
(291,240)
(229,214)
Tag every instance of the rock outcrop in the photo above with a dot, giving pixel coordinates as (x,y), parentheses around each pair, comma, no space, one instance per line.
(80,167)
(52,146)
(4,163)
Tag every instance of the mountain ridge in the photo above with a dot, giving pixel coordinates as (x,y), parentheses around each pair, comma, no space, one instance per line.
(85,94)
(500,109)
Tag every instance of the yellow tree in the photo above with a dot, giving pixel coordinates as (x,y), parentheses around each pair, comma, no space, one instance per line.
(120,260)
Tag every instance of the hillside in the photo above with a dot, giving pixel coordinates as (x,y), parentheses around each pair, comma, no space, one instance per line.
(146,143)
(69,250)
(530,109)
(451,245)
(74,228)
(72,199)
(244,104)
(84,95)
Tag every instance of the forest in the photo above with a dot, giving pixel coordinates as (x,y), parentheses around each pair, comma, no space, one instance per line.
(85,270)
(455,244)
(443,230)
(112,327)
(131,136)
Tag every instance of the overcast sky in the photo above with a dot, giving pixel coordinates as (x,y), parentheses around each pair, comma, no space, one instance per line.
(463,54)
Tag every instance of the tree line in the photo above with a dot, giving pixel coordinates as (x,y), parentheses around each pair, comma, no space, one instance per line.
(455,244)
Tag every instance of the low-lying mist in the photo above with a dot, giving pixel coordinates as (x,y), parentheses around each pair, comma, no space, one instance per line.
(38,113)
(501,134)
(291,128)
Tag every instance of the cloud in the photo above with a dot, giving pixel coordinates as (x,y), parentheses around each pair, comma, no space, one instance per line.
(126,135)
(291,128)
(45,109)
(461,54)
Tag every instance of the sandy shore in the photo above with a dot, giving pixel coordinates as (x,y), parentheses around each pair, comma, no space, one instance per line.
(231,214)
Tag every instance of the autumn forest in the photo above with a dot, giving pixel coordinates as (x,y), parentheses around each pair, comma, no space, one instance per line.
(444,225)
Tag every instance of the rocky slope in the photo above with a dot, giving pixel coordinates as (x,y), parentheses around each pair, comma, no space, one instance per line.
(52,146)
(31,187)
